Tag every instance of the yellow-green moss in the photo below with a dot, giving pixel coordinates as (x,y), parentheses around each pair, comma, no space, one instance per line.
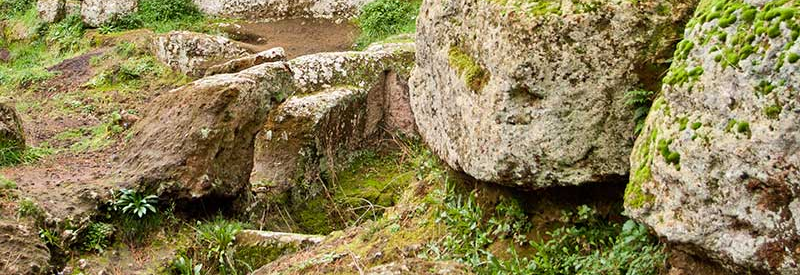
(473,74)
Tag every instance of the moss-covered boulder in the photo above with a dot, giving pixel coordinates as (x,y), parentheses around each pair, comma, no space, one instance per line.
(531,93)
(716,168)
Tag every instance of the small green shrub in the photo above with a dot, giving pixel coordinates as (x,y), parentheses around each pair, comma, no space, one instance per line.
(135,203)
(97,237)
(185,266)
(215,241)
(67,34)
(383,18)
(28,208)
(10,8)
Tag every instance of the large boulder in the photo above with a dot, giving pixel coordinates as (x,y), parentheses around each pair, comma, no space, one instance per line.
(51,11)
(21,250)
(716,169)
(11,132)
(197,141)
(192,53)
(98,12)
(278,9)
(533,95)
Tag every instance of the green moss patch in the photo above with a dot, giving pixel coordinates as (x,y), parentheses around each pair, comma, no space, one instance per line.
(473,74)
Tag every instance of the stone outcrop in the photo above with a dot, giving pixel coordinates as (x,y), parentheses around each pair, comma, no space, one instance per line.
(239,64)
(533,96)
(197,141)
(98,12)
(716,169)
(192,53)
(51,11)
(345,102)
(11,132)
(21,250)
(279,9)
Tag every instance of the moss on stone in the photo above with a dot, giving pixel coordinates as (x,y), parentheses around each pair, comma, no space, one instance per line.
(473,74)
(773,111)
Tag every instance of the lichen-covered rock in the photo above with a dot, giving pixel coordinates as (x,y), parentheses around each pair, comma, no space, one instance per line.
(279,9)
(532,95)
(11,132)
(51,11)
(239,64)
(98,12)
(419,266)
(716,169)
(192,53)
(197,141)
(21,250)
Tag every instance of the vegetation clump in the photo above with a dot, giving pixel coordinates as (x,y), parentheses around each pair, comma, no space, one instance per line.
(384,18)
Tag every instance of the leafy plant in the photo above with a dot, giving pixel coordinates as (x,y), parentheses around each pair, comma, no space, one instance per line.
(161,16)
(640,101)
(49,237)
(97,236)
(185,266)
(216,244)
(135,203)
(383,18)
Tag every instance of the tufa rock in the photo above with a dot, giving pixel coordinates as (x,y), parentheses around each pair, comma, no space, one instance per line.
(192,53)
(197,141)
(535,98)
(99,12)
(239,64)
(51,11)
(716,169)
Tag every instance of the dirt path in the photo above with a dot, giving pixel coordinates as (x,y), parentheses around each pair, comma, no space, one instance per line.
(297,36)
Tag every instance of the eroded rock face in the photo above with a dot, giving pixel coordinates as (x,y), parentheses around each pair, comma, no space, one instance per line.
(197,140)
(716,168)
(239,64)
(11,132)
(98,12)
(51,11)
(192,53)
(279,9)
(534,98)
(21,250)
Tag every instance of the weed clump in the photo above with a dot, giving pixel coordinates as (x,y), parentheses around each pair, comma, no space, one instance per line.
(160,16)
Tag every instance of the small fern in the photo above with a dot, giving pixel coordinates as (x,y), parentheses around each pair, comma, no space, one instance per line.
(641,101)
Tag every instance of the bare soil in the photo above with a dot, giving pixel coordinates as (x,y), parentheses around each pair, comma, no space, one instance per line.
(297,36)
(72,73)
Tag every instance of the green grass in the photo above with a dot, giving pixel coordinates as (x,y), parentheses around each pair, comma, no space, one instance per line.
(384,18)
(163,16)
(584,243)
(12,154)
